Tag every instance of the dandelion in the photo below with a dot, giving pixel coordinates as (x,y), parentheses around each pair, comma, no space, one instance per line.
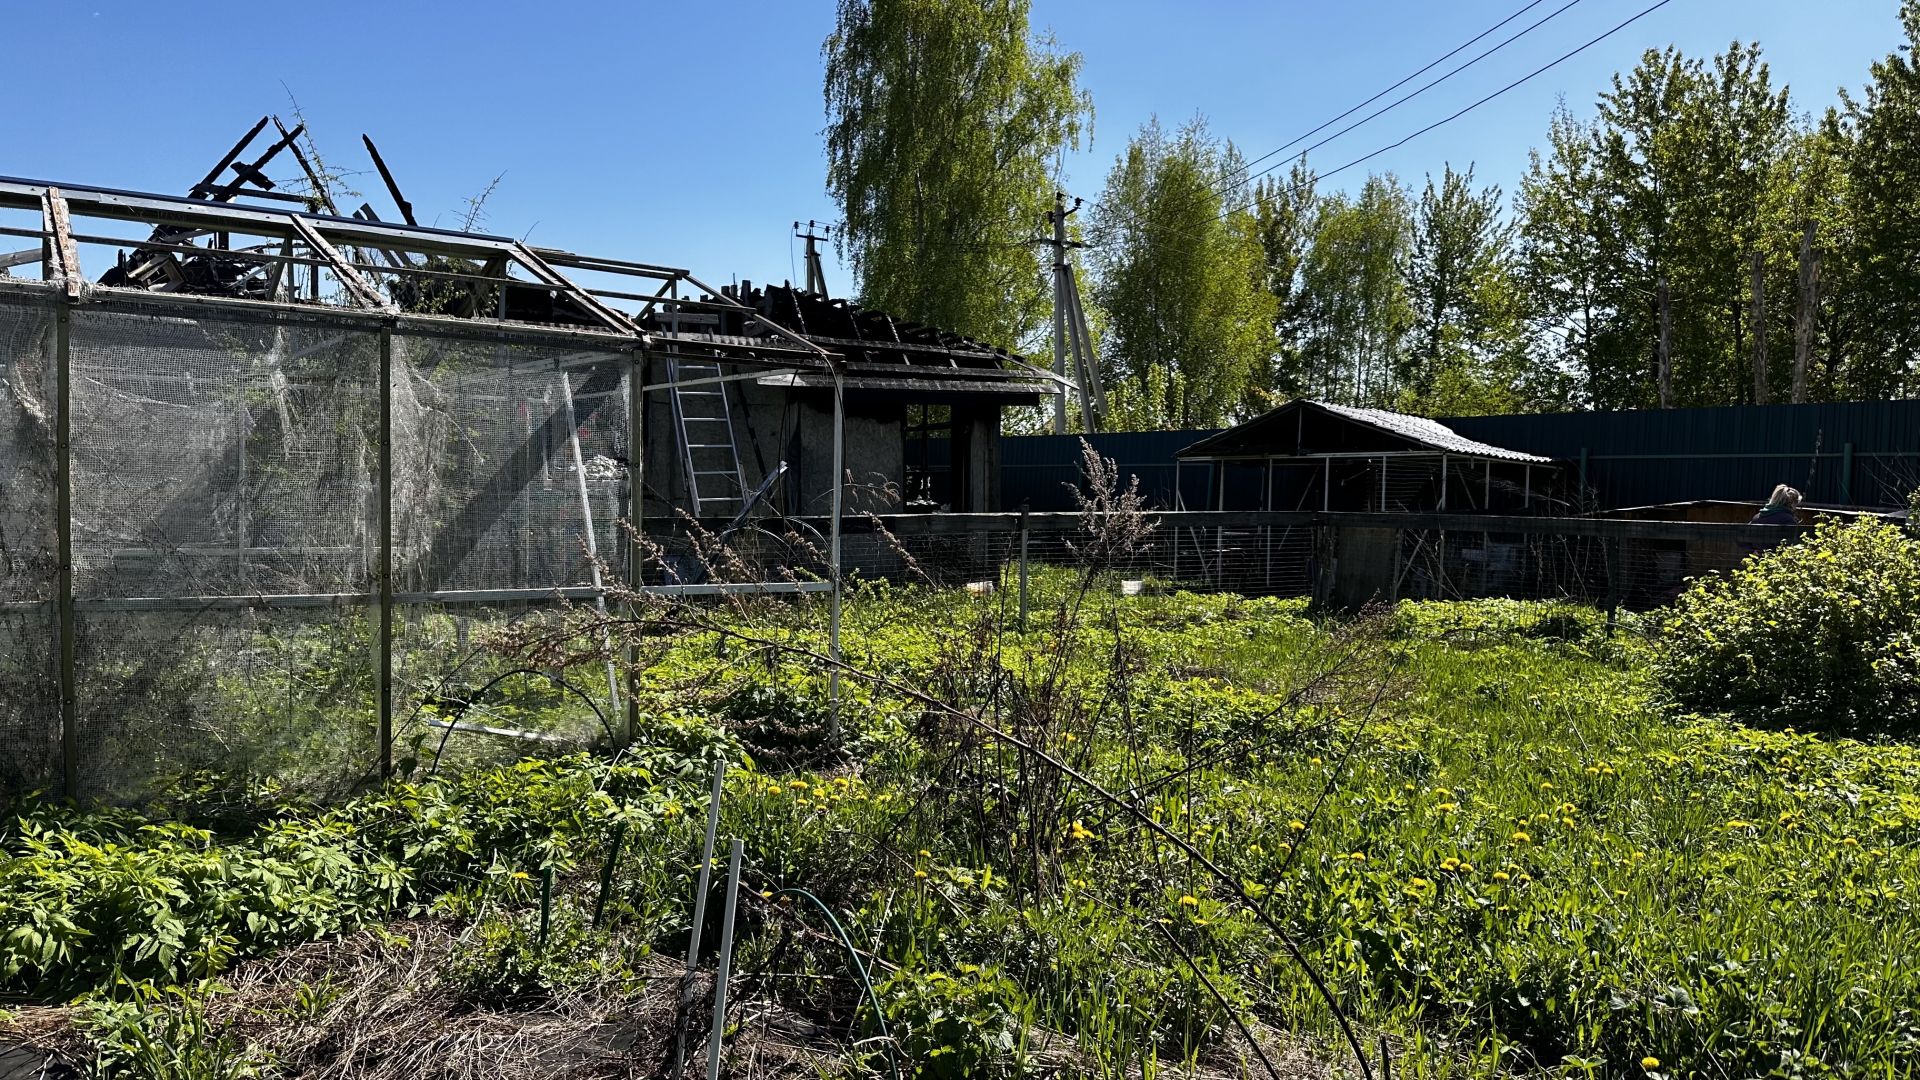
(1297,825)
(521,875)
(1450,864)
(766,894)
(969,969)
(1521,838)
(1080,832)
(1358,856)
(1649,1063)
(1567,821)
(1546,785)
(925,854)
(1524,878)
(920,875)
(1849,842)
(1736,823)
(1501,875)
(1407,787)
(1466,868)
(1639,854)
(1189,900)
(797,785)
(1256,849)
(1446,808)
(1070,737)
(1314,761)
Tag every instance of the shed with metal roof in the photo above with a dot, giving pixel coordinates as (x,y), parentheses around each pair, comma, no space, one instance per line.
(1315,455)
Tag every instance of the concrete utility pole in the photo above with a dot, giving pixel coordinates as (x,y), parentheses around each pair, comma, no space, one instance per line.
(816,276)
(1059,244)
(1758,319)
(1665,355)
(1070,335)
(1808,312)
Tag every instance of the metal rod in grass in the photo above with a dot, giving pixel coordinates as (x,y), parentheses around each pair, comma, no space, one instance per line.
(699,919)
(1231,1012)
(1232,883)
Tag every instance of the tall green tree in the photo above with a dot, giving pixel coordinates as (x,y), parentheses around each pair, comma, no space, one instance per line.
(1467,349)
(1670,182)
(946,123)
(1356,312)
(1180,272)
(1880,248)
(1285,218)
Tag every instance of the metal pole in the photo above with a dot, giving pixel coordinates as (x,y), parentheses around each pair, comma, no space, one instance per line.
(833,552)
(1383,483)
(699,917)
(593,545)
(63,523)
(384,567)
(719,1034)
(1326,485)
(1023,567)
(636,508)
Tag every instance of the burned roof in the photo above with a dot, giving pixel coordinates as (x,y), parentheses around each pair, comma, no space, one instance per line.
(879,352)
(1307,428)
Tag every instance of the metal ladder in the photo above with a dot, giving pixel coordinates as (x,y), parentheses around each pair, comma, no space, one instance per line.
(715,483)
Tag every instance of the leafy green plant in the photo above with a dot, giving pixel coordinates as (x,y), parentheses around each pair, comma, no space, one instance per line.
(968,1023)
(505,960)
(1822,635)
(163,1033)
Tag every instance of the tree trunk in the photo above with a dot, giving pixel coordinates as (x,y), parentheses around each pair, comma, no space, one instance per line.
(1664,357)
(1807,313)
(1758,323)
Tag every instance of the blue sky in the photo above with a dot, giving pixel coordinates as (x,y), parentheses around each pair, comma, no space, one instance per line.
(690,135)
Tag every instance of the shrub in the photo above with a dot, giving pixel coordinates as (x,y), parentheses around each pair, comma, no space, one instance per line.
(969,1024)
(1823,634)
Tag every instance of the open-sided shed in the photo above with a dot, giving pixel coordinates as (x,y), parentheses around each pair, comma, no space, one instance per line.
(1314,455)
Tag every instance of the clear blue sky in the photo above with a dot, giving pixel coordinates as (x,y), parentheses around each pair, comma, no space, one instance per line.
(689,134)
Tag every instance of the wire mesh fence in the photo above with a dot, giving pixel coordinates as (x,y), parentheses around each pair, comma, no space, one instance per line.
(288,534)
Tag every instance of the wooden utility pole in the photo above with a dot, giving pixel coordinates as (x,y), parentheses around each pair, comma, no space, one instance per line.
(1807,313)
(1758,320)
(1664,358)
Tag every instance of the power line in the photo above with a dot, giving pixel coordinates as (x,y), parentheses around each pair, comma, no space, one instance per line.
(1457,50)
(1543,69)
(1221,187)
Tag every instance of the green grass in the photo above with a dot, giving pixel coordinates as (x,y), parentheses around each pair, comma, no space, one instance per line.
(1518,863)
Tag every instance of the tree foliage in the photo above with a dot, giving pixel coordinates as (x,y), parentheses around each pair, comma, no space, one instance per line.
(945,125)
(1181,275)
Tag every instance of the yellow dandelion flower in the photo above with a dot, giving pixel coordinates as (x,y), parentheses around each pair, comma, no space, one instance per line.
(925,854)
(1070,737)
(1297,825)
(920,875)
(1524,878)
(766,894)
(1407,787)
(969,969)
(1189,900)
(1567,821)
(1256,849)
(1446,808)
(1466,868)
(1358,856)
(1546,785)
(1080,832)
(1314,761)
(1849,842)
(521,875)
(1639,854)
(1521,838)
(1420,883)
(1500,875)
(1736,823)
(797,785)
(1450,864)
(1649,1062)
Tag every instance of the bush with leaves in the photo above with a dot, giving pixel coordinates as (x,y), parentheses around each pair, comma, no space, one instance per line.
(1821,635)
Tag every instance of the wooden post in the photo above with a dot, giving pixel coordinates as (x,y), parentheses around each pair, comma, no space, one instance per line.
(1758,319)
(1023,567)
(1807,312)
(1664,357)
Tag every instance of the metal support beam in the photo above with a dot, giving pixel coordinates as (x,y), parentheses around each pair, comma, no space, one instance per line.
(636,512)
(63,526)
(383,569)
(358,287)
(833,552)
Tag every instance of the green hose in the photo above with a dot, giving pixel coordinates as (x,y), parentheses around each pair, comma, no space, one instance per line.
(860,969)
